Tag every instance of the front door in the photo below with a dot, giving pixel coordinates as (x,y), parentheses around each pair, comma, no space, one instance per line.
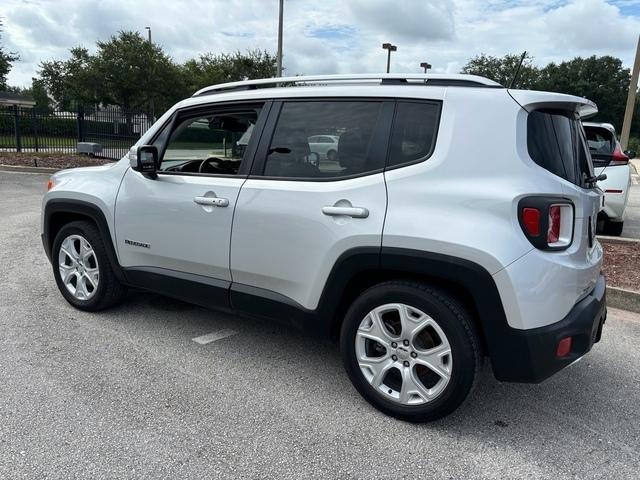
(179,224)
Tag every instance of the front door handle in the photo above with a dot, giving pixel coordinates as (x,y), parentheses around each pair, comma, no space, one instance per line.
(355,212)
(212,201)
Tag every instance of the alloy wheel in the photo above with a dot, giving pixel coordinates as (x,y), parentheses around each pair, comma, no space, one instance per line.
(78,266)
(404,354)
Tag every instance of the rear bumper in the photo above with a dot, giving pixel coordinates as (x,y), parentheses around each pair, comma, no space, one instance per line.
(530,355)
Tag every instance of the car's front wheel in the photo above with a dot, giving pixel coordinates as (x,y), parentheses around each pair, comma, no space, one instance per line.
(411,350)
(82,270)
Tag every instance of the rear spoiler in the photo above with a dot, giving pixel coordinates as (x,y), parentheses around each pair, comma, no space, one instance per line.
(532,100)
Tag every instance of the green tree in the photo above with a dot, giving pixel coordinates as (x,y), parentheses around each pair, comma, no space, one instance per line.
(502,69)
(71,82)
(210,69)
(6,62)
(40,95)
(134,73)
(602,80)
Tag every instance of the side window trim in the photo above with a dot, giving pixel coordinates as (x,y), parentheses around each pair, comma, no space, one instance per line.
(380,144)
(190,112)
(262,150)
(437,103)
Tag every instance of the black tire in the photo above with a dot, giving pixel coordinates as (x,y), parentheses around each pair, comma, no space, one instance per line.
(109,290)
(454,321)
(613,228)
(332,155)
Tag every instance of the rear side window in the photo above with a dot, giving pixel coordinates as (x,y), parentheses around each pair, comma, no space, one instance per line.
(325,139)
(414,132)
(556,142)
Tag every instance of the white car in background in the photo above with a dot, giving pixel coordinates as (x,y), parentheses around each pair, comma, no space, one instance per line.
(326,146)
(605,147)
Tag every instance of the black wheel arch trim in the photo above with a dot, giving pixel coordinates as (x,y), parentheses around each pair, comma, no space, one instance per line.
(467,275)
(86,209)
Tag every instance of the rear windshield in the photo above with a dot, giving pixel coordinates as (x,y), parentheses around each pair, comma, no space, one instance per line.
(556,142)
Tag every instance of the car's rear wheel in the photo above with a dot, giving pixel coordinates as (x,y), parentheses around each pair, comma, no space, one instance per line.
(411,350)
(332,155)
(82,270)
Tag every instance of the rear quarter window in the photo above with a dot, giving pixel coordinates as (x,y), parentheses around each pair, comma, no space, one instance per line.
(556,142)
(414,132)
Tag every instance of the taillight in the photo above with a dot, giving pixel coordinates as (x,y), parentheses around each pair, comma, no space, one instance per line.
(618,157)
(547,222)
(531,221)
(50,184)
(553,231)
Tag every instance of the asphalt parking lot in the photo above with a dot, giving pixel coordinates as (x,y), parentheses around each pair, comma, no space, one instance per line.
(128,393)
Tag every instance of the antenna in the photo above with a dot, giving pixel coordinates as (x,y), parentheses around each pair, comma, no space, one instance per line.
(515,75)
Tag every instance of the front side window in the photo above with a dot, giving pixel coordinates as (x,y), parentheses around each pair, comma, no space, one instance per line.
(211,143)
(414,132)
(324,139)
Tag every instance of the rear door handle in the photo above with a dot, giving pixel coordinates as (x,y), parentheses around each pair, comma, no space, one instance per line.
(355,212)
(212,201)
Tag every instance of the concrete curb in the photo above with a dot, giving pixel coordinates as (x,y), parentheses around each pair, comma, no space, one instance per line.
(623,299)
(25,169)
(618,240)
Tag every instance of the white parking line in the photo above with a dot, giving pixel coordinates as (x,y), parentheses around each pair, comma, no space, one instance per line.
(213,336)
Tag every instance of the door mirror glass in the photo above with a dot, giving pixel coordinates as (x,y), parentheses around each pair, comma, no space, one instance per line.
(630,153)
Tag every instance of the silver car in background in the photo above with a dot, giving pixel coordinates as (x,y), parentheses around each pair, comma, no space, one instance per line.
(326,146)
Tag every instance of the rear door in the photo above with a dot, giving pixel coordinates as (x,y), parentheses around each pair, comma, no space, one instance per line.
(299,212)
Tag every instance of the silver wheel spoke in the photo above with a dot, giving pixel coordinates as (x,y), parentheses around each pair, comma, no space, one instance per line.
(92,275)
(377,368)
(375,330)
(66,272)
(433,360)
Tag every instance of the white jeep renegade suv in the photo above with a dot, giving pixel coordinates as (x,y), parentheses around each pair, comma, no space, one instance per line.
(456,221)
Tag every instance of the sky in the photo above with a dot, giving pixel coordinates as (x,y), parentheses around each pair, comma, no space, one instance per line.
(329,36)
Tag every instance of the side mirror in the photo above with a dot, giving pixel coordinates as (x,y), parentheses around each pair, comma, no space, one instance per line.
(144,159)
(630,153)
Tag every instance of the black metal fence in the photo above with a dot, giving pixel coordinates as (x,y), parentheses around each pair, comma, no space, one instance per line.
(30,130)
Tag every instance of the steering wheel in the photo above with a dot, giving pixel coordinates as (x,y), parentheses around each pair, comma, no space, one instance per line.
(207,161)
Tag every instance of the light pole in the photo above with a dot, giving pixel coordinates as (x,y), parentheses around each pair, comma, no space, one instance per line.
(389,48)
(279,59)
(152,107)
(426,66)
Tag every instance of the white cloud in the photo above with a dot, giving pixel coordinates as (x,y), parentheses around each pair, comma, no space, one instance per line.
(333,35)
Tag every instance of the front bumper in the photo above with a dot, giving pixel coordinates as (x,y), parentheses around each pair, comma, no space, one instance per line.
(530,355)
